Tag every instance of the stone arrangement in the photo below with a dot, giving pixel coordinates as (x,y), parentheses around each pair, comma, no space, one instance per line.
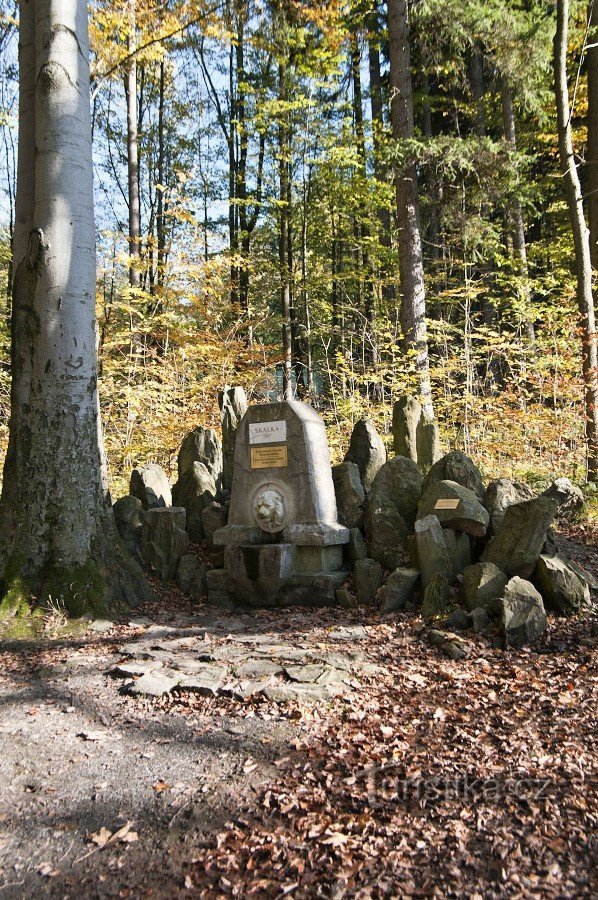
(279,526)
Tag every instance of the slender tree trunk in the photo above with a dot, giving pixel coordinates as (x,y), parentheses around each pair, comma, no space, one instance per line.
(413,297)
(283,240)
(57,532)
(515,212)
(433,234)
(160,205)
(592,152)
(133,152)
(581,237)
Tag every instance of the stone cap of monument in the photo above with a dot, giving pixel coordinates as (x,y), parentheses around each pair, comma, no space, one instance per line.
(282,486)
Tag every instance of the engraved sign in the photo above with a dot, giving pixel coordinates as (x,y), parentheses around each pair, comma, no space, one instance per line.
(447,504)
(269,457)
(267,432)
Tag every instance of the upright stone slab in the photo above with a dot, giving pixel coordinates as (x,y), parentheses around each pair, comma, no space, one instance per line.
(149,483)
(233,406)
(283,542)
(202,445)
(406,414)
(367,451)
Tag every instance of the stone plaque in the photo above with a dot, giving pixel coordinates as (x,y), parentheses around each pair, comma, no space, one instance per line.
(269,457)
(267,433)
(449,503)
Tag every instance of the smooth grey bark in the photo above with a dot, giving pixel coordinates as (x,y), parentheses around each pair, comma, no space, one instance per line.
(413,296)
(516,223)
(592,151)
(581,237)
(133,151)
(57,532)
(283,240)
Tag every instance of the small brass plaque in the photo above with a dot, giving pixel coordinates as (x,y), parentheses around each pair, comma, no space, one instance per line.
(269,457)
(447,504)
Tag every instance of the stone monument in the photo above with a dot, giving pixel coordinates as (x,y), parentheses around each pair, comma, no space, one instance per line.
(283,543)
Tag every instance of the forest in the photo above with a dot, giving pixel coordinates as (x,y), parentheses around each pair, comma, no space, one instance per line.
(299,448)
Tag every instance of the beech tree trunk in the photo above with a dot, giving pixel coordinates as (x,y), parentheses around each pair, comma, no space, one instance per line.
(57,532)
(413,296)
(581,237)
(592,152)
(132,153)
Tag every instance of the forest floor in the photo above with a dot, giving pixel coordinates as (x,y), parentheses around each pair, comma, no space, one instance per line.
(428,778)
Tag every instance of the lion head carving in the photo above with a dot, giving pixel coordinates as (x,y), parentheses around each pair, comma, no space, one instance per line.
(268,509)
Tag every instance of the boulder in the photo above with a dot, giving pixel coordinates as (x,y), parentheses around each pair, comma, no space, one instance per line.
(164,540)
(367,578)
(387,533)
(400,588)
(502,493)
(460,619)
(350,495)
(449,644)
(432,554)
(516,547)
(523,619)
(195,490)
(428,443)
(399,481)
(455,507)
(564,591)
(455,466)
(356,548)
(186,571)
(406,414)
(367,451)
(202,445)
(149,483)
(458,545)
(480,619)
(436,597)
(233,406)
(482,586)
(570,498)
(129,516)
(213,516)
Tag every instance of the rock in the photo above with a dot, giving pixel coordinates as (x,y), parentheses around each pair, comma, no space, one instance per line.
(436,597)
(367,577)
(460,619)
(406,414)
(129,516)
(455,507)
(233,406)
(387,533)
(186,571)
(523,619)
(588,577)
(400,587)
(154,684)
(457,467)
(480,619)
(213,517)
(367,451)
(432,554)
(194,490)
(428,443)
(449,644)
(515,548)
(164,540)
(550,546)
(208,682)
(150,484)
(203,446)
(356,548)
(400,481)
(350,495)
(570,497)
(343,598)
(564,591)
(502,493)
(482,586)
(458,545)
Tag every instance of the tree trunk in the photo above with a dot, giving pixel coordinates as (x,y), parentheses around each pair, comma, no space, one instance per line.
(515,213)
(57,532)
(581,238)
(160,205)
(133,153)
(592,152)
(413,297)
(283,240)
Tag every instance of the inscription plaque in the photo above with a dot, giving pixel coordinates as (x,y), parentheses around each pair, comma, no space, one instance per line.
(269,457)
(449,503)
(267,432)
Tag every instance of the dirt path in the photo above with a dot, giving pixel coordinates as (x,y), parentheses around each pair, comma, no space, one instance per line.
(423,777)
